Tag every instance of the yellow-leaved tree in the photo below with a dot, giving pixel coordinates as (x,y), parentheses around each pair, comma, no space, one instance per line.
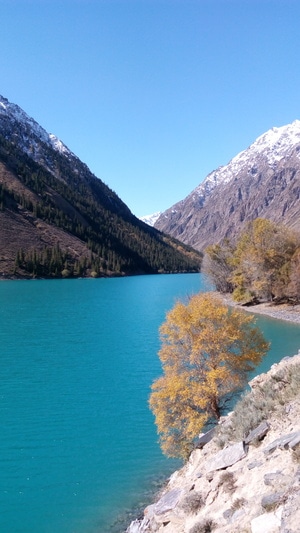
(262,260)
(207,352)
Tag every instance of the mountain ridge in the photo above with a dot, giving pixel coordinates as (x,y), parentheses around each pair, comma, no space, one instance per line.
(58,219)
(247,187)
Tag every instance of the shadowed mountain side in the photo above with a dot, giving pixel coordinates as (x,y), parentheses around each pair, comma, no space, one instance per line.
(58,219)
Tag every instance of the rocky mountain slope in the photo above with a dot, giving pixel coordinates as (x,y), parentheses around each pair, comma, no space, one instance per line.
(244,476)
(58,219)
(262,181)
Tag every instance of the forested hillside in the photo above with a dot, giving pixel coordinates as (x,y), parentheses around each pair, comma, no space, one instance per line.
(57,219)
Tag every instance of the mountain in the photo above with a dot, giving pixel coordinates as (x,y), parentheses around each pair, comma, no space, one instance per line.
(57,219)
(151,219)
(262,181)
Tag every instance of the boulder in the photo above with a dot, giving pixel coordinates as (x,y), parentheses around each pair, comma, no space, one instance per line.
(258,433)
(271,501)
(204,438)
(295,441)
(285,441)
(168,501)
(267,523)
(227,457)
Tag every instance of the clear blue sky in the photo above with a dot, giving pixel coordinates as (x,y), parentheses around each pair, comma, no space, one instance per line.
(153,94)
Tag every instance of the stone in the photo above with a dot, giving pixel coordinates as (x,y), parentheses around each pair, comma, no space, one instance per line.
(204,438)
(138,526)
(283,442)
(270,501)
(278,479)
(267,523)
(258,433)
(254,464)
(295,441)
(272,478)
(291,513)
(237,515)
(227,457)
(168,501)
(228,514)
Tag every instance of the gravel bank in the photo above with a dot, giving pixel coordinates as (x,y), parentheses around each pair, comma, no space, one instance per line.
(291,313)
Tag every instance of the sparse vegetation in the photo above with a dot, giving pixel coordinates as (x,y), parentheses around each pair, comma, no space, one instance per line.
(257,405)
(238,503)
(193,502)
(206,526)
(227,481)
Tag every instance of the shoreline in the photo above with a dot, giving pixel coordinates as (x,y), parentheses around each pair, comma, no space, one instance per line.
(239,491)
(285,312)
(289,313)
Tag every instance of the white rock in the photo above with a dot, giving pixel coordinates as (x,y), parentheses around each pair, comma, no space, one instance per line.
(267,523)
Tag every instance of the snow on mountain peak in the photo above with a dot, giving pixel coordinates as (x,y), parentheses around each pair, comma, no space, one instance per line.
(58,145)
(273,145)
(277,140)
(16,115)
(151,219)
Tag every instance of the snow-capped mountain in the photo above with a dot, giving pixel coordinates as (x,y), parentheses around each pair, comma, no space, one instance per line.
(151,219)
(262,180)
(21,129)
(27,130)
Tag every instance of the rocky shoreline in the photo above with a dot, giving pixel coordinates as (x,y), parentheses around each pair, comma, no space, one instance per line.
(288,312)
(248,486)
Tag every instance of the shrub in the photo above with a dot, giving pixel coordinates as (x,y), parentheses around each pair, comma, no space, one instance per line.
(227,480)
(193,502)
(257,405)
(206,526)
(238,503)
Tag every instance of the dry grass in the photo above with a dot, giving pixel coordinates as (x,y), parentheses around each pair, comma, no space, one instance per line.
(227,481)
(238,503)
(257,405)
(192,503)
(206,526)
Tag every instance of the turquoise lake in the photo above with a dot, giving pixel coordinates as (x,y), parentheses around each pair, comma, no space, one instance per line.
(78,447)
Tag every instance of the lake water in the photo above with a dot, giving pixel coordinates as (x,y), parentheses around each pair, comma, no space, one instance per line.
(78,445)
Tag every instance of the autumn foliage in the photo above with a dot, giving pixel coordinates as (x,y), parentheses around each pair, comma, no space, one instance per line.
(207,351)
(262,264)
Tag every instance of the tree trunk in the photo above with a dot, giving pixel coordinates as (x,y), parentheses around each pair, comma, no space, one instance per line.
(215,408)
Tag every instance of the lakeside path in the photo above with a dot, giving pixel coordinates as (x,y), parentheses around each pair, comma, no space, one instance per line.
(291,313)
